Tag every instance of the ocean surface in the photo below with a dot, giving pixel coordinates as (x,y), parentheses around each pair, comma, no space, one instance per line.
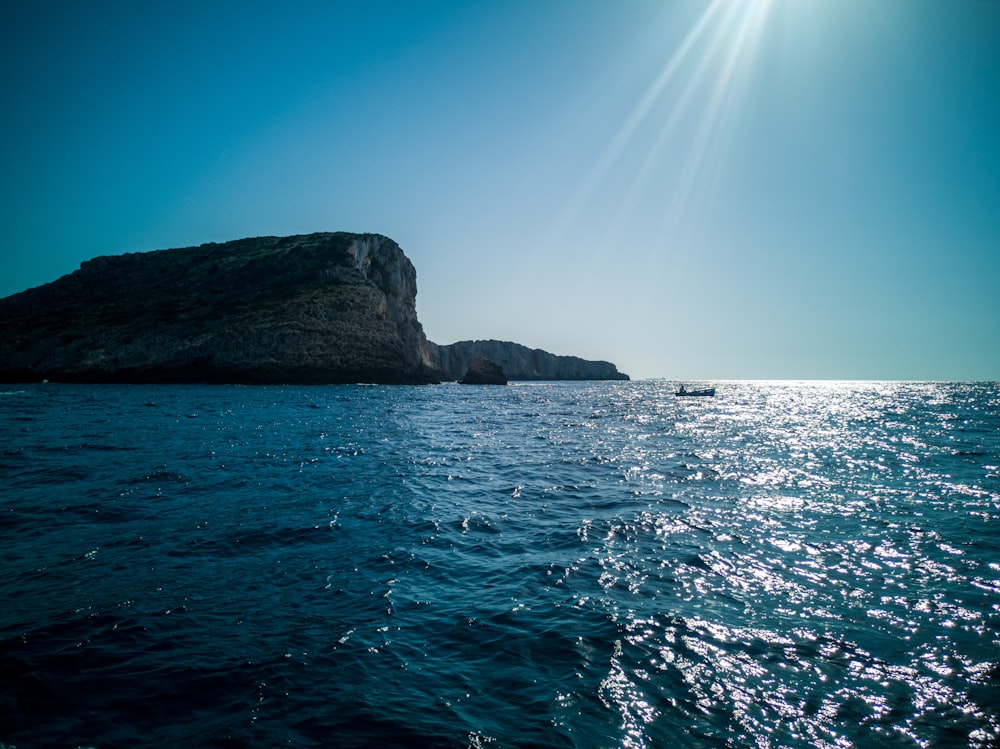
(539,565)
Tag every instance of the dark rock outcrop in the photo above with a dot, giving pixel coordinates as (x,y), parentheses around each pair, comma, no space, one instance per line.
(484,372)
(317,308)
(518,362)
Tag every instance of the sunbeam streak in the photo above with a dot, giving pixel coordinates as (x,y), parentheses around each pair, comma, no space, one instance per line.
(682,123)
(640,113)
(735,45)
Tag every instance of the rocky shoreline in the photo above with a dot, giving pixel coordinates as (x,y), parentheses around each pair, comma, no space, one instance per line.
(519,362)
(324,308)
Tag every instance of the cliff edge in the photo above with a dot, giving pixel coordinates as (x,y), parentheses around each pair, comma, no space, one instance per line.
(518,362)
(316,308)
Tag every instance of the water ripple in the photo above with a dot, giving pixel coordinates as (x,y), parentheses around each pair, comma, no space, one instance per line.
(567,565)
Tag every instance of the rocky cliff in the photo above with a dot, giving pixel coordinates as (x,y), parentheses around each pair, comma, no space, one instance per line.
(518,362)
(317,308)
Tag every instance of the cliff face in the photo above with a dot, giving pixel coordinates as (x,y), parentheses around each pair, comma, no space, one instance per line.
(317,308)
(518,362)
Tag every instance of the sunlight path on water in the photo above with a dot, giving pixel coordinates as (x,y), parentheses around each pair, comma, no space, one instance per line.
(579,565)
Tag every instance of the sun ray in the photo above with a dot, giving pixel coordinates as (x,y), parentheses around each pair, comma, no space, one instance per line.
(652,163)
(698,92)
(625,135)
(735,44)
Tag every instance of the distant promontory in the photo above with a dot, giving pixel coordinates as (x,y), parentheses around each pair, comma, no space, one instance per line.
(519,362)
(309,309)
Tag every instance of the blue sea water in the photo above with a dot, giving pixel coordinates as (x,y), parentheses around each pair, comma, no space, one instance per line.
(541,565)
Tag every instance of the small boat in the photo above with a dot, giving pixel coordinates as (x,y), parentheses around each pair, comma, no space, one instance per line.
(684,392)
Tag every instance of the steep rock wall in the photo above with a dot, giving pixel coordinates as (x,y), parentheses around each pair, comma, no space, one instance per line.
(317,308)
(518,362)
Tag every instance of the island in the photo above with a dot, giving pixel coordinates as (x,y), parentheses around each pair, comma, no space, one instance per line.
(325,308)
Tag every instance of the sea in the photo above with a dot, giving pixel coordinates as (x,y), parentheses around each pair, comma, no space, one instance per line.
(586,564)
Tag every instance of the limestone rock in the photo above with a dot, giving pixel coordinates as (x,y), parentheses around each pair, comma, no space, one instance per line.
(518,362)
(484,372)
(317,308)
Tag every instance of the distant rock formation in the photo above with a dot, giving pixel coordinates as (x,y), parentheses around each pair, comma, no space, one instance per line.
(317,308)
(484,372)
(308,309)
(518,362)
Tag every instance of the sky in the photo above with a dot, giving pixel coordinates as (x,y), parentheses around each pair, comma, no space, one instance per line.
(691,189)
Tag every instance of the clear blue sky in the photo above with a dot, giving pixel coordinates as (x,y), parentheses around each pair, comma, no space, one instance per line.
(691,189)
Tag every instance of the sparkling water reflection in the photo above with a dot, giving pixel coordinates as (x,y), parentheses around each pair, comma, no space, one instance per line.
(584,565)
